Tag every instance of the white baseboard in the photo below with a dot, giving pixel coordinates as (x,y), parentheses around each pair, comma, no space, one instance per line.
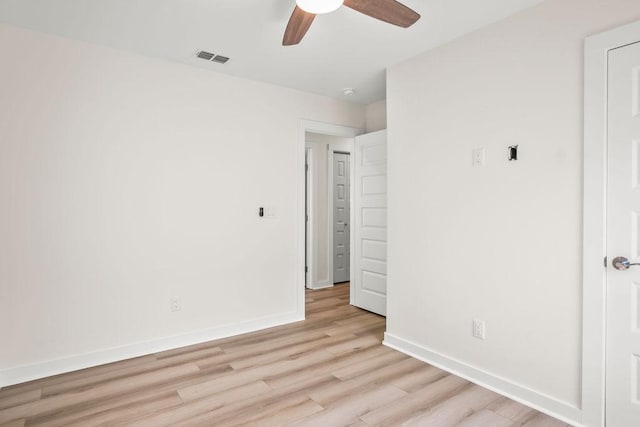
(539,401)
(321,285)
(44,369)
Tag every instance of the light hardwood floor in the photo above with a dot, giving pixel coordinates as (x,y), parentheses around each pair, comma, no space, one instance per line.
(330,370)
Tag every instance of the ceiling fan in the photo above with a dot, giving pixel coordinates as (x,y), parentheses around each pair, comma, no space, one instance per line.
(305,12)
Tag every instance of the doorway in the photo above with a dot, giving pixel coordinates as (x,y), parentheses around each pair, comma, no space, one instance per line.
(611,319)
(328,200)
(305,127)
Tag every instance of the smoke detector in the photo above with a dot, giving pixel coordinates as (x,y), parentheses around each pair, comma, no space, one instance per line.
(348,91)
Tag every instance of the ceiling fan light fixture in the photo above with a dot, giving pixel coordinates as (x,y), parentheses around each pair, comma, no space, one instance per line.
(319,7)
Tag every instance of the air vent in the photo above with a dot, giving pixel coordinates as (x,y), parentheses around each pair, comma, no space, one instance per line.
(220,59)
(208,56)
(205,55)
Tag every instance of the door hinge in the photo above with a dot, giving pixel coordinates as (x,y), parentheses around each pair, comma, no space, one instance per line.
(306,167)
(306,269)
(306,218)
(605,262)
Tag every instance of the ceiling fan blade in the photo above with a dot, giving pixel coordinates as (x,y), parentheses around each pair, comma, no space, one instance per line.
(389,11)
(297,27)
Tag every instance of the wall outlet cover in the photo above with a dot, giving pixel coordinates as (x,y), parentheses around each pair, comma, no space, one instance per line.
(478,157)
(175,304)
(478,329)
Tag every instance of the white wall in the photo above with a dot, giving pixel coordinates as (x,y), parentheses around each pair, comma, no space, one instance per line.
(321,252)
(500,243)
(126,180)
(377,116)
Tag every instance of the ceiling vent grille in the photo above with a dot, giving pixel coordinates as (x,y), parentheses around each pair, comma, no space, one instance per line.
(208,56)
(220,59)
(205,55)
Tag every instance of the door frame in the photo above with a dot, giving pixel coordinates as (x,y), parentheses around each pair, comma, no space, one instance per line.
(308,224)
(330,219)
(594,249)
(305,126)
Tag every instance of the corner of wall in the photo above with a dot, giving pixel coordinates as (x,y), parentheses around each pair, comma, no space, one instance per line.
(525,395)
(376,116)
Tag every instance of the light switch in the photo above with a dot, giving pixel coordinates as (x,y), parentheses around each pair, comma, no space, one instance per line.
(268,211)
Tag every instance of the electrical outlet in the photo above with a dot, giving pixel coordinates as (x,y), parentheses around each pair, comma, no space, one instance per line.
(478,157)
(175,303)
(478,329)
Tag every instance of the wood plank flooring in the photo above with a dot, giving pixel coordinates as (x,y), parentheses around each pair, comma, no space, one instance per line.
(330,370)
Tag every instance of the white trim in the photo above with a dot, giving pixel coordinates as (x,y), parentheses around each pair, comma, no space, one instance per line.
(54,367)
(597,48)
(539,401)
(305,126)
(352,217)
(309,224)
(322,285)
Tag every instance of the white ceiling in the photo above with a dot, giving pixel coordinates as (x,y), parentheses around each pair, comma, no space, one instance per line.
(342,49)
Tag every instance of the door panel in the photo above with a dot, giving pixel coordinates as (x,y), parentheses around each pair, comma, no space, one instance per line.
(623,238)
(370,188)
(341,212)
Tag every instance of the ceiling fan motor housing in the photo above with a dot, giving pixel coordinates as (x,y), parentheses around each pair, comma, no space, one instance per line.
(319,6)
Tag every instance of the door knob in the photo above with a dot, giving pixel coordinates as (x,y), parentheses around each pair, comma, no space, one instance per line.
(622,263)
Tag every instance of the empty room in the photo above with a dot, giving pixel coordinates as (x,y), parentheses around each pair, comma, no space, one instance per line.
(320,213)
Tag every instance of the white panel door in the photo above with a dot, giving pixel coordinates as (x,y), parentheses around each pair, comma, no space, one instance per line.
(341,212)
(623,239)
(369,277)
